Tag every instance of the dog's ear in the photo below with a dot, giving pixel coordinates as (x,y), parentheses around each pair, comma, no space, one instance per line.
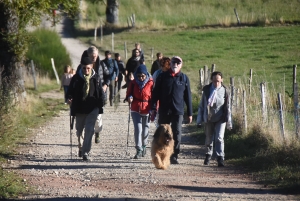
(159,130)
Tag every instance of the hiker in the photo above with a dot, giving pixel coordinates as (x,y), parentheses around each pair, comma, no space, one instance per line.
(101,69)
(138,46)
(113,75)
(214,113)
(165,63)
(172,90)
(86,97)
(139,96)
(156,63)
(121,67)
(65,81)
(133,62)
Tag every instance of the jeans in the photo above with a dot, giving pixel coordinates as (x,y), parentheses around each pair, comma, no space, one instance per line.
(214,131)
(66,87)
(141,129)
(176,124)
(112,91)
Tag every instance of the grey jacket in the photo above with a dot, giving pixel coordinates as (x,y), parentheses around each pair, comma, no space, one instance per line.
(202,116)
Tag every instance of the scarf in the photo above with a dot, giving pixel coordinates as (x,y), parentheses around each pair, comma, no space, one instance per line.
(86,86)
(137,58)
(212,98)
(141,84)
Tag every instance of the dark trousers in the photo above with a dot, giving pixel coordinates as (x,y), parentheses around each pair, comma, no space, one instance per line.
(176,124)
(111,88)
(118,86)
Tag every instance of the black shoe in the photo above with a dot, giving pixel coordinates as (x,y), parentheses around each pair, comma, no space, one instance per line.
(174,160)
(97,138)
(85,157)
(207,159)
(220,161)
(79,153)
(124,86)
(144,151)
(138,154)
(110,102)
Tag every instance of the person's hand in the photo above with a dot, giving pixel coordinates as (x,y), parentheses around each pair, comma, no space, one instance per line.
(130,99)
(104,87)
(69,101)
(116,79)
(199,126)
(152,115)
(190,119)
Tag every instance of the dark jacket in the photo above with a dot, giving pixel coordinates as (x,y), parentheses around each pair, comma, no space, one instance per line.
(132,64)
(112,67)
(95,96)
(100,68)
(172,93)
(121,67)
(155,66)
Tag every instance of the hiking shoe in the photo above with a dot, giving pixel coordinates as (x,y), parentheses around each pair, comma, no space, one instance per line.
(138,154)
(97,138)
(174,160)
(144,151)
(220,161)
(207,159)
(85,157)
(79,153)
(110,102)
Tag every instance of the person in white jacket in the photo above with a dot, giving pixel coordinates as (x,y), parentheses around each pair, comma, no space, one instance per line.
(214,113)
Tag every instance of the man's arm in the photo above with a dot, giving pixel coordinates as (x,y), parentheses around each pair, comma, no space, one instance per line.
(188,99)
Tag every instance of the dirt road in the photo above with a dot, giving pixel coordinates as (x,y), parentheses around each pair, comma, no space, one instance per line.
(45,163)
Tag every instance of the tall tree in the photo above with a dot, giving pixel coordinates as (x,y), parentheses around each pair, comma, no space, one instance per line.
(15,17)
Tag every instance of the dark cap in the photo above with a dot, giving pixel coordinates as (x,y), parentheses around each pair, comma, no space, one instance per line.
(86,61)
(176,59)
(107,52)
(142,69)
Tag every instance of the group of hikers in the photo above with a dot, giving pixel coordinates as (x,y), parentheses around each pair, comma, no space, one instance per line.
(159,95)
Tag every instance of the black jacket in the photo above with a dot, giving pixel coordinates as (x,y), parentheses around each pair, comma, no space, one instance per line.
(95,96)
(172,93)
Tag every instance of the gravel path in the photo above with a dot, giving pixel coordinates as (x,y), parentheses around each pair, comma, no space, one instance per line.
(45,163)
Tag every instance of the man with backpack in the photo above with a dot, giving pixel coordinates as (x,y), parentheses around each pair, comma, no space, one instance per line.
(86,97)
(113,68)
(172,90)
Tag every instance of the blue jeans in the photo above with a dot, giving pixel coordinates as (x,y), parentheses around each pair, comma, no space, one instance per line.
(66,87)
(141,129)
(214,131)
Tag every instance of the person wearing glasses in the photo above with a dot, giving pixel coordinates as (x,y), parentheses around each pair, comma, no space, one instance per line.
(86,97)
(139,93)
(133,62)
(172,90)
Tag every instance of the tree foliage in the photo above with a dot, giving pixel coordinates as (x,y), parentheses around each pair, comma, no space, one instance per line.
(16,15)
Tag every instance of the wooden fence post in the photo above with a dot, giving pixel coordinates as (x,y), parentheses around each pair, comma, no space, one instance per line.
(33,74)
(237,99)
(281,118)
(152,50)
(263,101)
(55,72)
(296,108)
(125,51)
(250,81)
(112,42)
(201,76)
(133,19)
(237,16)
(95,34)
(231,93)
(245,110)
(205,74)
(213,68)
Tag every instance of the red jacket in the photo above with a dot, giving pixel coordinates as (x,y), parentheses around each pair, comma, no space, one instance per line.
(141,98)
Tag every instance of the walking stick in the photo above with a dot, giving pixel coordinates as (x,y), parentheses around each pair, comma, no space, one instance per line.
(128,128)
(71,128)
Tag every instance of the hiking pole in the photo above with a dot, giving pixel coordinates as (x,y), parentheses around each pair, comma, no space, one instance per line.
(71,128)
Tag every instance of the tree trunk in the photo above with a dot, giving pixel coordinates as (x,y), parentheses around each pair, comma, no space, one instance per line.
(12,81)
(112,11)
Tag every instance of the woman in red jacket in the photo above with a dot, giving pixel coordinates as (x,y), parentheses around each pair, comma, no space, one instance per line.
(139,94)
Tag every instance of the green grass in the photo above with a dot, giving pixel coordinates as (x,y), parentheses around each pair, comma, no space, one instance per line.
(45,45)
(154,14)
